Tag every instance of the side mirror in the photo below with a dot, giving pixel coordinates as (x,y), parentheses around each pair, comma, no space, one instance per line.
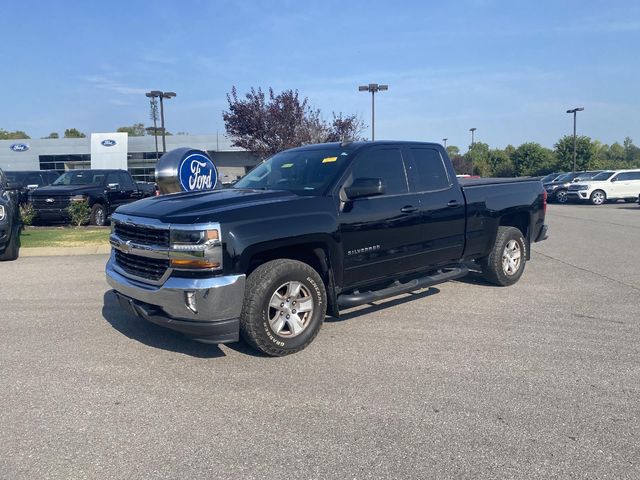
(113,186)
(364,187)
(614,179)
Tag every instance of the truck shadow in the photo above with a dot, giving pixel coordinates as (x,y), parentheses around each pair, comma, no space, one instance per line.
(383,304)
(154,335)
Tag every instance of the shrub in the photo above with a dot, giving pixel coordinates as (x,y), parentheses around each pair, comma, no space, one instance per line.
(80,212)
(27,213)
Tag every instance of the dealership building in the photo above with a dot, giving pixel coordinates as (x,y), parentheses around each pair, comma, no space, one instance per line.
(119,150)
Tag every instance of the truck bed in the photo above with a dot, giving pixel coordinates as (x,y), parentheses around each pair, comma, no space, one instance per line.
(474,182)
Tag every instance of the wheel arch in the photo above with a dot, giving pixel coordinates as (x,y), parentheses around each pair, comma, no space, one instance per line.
(314,254)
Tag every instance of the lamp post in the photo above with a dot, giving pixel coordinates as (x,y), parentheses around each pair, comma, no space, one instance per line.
(373,88)
(161,95)
(472,130)
(154,116)
(444,140)
(574,111)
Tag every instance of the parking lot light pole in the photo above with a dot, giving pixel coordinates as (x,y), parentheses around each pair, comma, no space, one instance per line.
(472,130)
(166,95)
(154,115)
(574,111)
(444,140)
(373,88)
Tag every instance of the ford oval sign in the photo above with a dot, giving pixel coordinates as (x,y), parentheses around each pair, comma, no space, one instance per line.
(108,142)
(19,147)
(197,172)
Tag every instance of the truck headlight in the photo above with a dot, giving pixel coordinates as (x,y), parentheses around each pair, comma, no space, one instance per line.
(196,249)
(3,213)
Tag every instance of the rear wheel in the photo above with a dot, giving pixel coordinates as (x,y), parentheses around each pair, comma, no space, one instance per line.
(284,307)
(598,197)
(505,264)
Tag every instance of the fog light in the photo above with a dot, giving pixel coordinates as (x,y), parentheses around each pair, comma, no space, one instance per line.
(190,301)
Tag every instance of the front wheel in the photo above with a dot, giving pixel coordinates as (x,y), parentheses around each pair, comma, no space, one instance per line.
(598,197)
(561,196)
(12,250)
(98,215)
(505,264)
(284,307)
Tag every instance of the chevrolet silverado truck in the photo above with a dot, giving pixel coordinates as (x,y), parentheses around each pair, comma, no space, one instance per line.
(104,190)
(312,231)
(10,224)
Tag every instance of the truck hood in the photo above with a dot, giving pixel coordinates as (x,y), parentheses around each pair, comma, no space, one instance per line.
(204,206)
(59,190)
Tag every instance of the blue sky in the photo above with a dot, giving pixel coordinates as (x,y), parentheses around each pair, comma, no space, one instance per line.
(508,68)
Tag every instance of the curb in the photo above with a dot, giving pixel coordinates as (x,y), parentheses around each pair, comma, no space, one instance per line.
(65,251)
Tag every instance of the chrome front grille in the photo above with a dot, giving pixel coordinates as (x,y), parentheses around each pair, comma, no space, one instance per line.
(143,267)
(142,235)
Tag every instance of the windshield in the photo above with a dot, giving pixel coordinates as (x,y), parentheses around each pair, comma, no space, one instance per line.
(603,176)
(305,172)
(567,177)
(17,177)
(549,178)
(80,177)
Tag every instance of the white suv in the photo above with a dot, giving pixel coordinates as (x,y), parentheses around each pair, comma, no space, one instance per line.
(611,185)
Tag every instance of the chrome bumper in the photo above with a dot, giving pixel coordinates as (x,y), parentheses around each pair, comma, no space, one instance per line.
(214,299)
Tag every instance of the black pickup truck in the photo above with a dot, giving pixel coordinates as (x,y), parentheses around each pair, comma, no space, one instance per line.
(105,190)
(29,180)
(314,230)
(9,219)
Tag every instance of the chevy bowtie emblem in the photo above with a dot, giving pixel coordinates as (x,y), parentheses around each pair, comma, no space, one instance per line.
(49,200)
(126,247)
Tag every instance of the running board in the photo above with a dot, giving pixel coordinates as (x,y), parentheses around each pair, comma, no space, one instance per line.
(360,298)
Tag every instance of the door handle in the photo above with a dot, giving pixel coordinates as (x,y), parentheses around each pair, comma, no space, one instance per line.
(409,209)
(453,204)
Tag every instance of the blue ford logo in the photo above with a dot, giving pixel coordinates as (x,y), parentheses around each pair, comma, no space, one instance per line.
(108,142)
(197,172)
(19,147)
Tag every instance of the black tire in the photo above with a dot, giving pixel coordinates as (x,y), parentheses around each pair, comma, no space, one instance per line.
(12,251)
(98,215)
(561,196)
(264,283)
(598,197)
(493,266)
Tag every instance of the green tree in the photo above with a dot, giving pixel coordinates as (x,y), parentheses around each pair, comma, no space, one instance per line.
(501,164)
(135,130)
(585,153)
(631,152)
(73,133)
(453,151)
(53,135)
(532,159)
(478,159)
(17,135)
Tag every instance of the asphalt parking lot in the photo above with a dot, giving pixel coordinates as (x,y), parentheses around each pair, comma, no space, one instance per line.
(466,380)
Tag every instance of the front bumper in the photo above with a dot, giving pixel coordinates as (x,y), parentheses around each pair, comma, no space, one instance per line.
(217,301)
(578,195)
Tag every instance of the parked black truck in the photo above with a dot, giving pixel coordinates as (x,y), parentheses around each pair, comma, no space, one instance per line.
(315,230)
(29,180)
(10,224)
(104,190)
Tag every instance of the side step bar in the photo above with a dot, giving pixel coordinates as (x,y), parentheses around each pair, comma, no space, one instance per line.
(360,298)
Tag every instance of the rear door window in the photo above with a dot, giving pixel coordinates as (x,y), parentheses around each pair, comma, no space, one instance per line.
(428,170)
